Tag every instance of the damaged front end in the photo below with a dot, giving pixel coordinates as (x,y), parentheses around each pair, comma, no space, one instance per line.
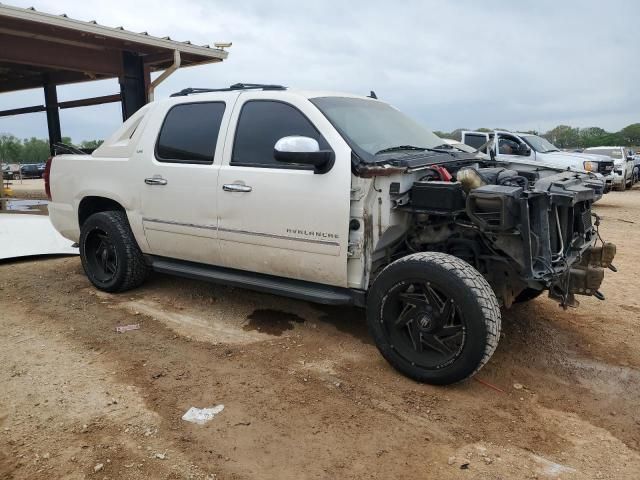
(524,231)
(549,232)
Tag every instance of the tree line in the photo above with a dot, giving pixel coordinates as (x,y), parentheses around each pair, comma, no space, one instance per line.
(33,150)
(564,136)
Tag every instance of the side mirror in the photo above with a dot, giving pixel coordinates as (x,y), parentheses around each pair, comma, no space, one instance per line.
(524,150)
(303,151)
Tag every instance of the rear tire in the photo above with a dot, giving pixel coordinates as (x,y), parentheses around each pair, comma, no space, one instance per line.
(110,255)
(433,317)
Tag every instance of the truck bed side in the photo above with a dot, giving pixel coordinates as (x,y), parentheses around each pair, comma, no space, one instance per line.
(105,175)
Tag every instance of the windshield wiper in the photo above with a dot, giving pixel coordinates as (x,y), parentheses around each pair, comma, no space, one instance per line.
(448,150)
(446,146)
(399,148)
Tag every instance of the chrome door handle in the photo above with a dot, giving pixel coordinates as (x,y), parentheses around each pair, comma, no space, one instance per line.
(155,180)
(236,187)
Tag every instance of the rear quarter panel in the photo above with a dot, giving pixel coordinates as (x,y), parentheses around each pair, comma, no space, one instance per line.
(75,177)
(109,173)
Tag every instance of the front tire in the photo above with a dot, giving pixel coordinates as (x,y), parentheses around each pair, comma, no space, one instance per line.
(110,255)
(433,317)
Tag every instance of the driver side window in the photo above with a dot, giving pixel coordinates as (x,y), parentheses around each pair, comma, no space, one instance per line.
(508,145)
(261,124)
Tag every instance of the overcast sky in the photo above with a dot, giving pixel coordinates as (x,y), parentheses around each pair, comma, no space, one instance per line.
(448,64)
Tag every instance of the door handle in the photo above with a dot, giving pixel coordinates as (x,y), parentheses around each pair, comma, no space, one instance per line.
(155,180)
(236,187)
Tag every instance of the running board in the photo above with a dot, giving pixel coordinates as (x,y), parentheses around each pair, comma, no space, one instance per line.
(313,292)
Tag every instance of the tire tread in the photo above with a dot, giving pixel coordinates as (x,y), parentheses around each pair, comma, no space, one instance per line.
(136,269)
(477,285)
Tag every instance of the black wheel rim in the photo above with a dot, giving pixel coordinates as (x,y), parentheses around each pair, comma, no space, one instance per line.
(424,324)
(100,254)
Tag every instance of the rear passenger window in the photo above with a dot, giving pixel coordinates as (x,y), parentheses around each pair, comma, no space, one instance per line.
(474,140)
(190,132)
(261,124)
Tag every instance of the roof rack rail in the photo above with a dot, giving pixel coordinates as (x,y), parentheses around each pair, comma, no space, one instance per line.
(235,86)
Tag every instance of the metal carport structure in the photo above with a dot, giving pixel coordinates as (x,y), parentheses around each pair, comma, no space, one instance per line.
(41,50)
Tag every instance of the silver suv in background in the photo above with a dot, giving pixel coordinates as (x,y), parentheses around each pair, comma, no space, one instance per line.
(625,171)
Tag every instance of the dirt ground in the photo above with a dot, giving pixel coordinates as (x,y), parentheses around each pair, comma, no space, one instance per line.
(305,393)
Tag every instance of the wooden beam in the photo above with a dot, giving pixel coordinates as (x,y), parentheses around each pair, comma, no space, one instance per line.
(56,77)
(162,60)
(85,102)
(13,85)
(53,114)
(20,111)
(31,51)
(163,57)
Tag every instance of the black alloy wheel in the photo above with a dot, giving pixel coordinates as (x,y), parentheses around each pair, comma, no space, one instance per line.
(110,254)
(433,317)
(429,329)
(101,255)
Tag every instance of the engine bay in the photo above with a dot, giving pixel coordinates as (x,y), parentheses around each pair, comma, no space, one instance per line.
(524,229)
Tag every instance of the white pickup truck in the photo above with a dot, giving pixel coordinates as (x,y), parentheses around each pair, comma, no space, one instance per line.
(625,166)
(533,149)
(332,198)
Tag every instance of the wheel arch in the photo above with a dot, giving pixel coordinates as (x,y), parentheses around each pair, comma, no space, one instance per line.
(94,204)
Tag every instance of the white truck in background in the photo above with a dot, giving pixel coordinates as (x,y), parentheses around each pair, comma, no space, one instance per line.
(338,199)
(536,150)
(625,166)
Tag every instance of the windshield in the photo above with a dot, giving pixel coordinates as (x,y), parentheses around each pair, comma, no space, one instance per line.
(609,152)
(539,144)
(371,127)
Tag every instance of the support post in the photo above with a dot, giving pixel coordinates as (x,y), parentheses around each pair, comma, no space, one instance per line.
(53,115)
(132,84)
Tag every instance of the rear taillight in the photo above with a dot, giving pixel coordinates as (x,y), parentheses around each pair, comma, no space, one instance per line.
(45,175)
